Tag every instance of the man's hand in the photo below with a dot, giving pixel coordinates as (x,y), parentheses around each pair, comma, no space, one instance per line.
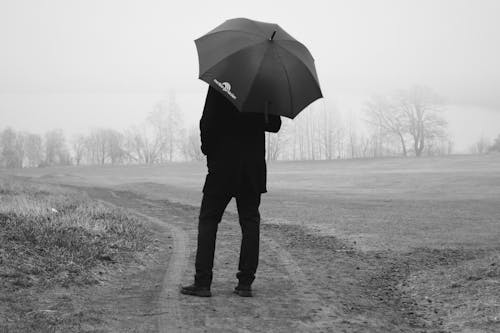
(273,124)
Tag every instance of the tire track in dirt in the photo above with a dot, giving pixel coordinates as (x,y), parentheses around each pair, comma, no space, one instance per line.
(301,283)
(170,316)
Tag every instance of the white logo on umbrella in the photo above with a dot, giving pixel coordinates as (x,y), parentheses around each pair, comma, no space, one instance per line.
(226,87)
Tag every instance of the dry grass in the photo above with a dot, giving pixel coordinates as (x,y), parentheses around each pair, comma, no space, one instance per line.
(459,297)
(52,237)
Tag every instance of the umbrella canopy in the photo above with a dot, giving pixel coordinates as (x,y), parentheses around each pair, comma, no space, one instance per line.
(259,67)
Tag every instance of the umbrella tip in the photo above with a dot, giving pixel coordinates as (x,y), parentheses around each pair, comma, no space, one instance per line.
(274,33)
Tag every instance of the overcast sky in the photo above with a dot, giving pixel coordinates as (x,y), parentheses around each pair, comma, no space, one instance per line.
(87,63)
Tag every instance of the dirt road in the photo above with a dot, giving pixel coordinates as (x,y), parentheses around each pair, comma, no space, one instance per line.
(305,282)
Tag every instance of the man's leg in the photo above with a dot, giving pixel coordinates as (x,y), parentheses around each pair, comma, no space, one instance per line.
(212,209)
(249,217)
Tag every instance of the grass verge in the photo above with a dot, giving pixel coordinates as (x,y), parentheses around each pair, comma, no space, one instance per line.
(53,237)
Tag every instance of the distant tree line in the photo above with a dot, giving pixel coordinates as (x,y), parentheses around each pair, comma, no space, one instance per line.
(21,149)
(160,138)
(404,123)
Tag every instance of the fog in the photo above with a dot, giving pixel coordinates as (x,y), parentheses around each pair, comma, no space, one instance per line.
(78,65)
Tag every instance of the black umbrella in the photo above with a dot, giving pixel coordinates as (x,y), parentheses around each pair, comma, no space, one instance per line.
(259,67)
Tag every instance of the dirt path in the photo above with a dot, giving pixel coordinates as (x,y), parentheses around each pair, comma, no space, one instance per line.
(285,300)
(170,318)
(305,282)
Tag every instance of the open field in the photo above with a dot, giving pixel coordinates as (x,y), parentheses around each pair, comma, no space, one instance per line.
(389,245)
(380,204)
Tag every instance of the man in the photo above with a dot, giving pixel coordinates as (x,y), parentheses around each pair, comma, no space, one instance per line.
(234,143)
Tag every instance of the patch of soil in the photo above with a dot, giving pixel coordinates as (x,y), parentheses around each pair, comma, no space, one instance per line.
(424,290)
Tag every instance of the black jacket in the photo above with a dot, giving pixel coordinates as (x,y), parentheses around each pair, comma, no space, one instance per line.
(234,143)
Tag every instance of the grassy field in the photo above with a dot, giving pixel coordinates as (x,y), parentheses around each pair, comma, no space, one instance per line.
(432,225)
(53,237)
(394,204)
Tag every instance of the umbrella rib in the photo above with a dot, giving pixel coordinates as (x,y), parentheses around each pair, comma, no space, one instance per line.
(229,55)
(296,42)
(256,26)
(255,77)
(308,70)
(287,79)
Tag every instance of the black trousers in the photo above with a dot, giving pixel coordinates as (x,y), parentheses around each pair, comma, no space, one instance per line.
(212,209)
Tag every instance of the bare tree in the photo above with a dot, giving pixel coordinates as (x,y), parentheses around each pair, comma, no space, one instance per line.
(97,146)
(412,114)
(103,145)
(387,118)
(352,139)
(274,145)
(33,147)
(143,144)
(56,152)
(191,146)
(496,145)
(79,148)
(422,107)
(328,132)
(378,141)
(166,121)
(115,146)
(12,152)
(298,142)
(439,145)
(482,146)
(364,146)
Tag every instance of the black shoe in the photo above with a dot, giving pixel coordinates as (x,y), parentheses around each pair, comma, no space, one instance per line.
(195,290)
(243,291)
